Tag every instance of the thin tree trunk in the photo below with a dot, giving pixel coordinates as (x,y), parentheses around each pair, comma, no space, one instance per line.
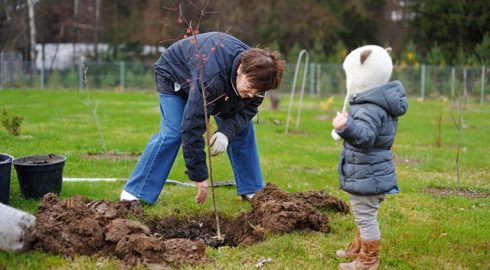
(7,15)
(96,29)
(75,29)
(32,30)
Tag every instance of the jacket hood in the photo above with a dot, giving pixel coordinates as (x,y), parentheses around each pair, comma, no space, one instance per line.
(390,96)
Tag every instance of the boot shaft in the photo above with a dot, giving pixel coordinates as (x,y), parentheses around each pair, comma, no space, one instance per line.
(367,259)
(353,249)
(369,252)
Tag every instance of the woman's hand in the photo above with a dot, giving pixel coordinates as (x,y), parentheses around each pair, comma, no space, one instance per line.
(202,191)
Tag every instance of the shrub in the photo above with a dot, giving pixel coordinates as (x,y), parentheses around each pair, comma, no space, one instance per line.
(12,124)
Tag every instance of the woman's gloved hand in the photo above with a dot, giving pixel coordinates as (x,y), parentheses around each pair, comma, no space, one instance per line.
(218,144)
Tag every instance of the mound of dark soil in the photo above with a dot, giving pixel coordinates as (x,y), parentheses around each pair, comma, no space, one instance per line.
(79,226)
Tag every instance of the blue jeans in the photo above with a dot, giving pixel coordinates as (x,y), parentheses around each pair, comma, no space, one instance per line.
(150,174)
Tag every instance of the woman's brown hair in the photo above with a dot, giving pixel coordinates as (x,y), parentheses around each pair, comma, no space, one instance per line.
(263,68)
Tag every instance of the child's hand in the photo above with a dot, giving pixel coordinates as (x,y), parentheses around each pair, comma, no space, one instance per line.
(340,121)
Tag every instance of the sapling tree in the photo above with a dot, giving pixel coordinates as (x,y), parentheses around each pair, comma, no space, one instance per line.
(439,119)
(458,123)
(92,104)
(201,57)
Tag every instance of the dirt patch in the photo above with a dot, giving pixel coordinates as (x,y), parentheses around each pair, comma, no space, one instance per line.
(273,211)
(462,192)
(79,226)
(112,156)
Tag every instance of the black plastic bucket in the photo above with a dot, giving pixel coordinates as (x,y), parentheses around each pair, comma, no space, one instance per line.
(39,174)
(5,170)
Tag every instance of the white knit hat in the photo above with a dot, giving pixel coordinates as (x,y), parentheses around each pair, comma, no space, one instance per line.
(365,68)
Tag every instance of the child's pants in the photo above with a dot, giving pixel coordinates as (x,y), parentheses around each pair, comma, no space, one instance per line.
(365,210)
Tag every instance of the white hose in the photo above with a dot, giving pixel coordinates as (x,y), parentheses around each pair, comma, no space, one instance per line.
(170,181)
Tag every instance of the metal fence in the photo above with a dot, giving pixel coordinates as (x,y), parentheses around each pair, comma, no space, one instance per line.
(322,79)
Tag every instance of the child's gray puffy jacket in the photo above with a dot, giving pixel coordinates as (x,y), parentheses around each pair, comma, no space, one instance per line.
(366,164)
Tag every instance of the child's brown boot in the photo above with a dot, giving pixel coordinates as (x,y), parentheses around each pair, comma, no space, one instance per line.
(353,249)
(367,259)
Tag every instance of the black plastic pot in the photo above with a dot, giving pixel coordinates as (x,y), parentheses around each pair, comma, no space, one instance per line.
(5,170)
(39,174)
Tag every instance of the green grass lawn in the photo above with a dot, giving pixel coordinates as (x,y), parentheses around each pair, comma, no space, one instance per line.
(419,230)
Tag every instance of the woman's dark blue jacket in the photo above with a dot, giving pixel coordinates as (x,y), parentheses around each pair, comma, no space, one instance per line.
(209,61)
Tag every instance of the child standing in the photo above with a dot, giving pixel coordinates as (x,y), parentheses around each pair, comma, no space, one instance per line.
(366,167)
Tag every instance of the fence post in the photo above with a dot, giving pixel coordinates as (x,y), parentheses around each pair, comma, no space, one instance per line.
(465,87)
(453,77)
(81,77)
(121,75)
(1,70)
(482,91)
(422,82)
(42,74)
(318,79)
(312,79)
(6,74)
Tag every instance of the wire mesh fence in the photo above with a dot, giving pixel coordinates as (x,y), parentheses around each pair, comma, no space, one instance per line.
(322,79)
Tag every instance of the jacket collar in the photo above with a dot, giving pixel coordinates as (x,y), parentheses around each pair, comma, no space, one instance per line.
(234,72)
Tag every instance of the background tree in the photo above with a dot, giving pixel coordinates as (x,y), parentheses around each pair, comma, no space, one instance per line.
(14,27)
(456,26)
